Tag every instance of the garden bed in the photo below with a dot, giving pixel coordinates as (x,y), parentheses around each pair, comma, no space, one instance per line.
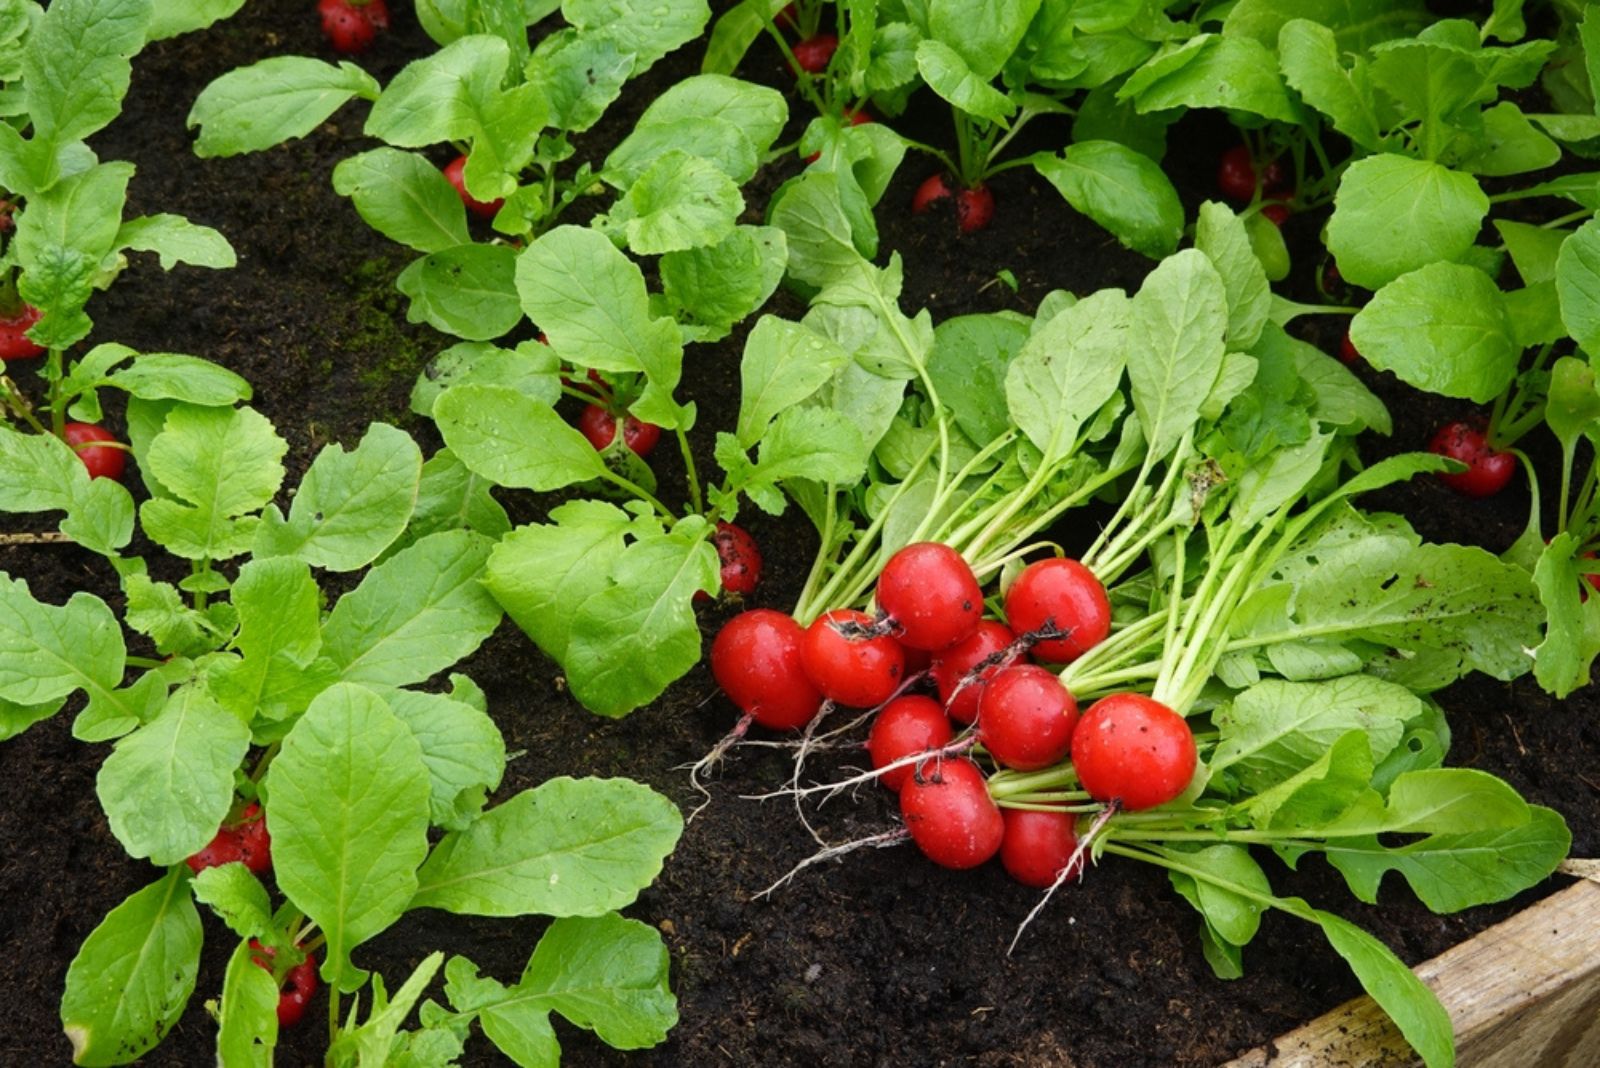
(878,960)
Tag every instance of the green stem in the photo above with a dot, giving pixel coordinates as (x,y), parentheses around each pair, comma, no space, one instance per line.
(149,663)
(641,493)
(58,406)
(695,496)
(1017,784)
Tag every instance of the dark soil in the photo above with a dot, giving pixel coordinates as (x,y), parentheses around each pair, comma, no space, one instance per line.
(878,960)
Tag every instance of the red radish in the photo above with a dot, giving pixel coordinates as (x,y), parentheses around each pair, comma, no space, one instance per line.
(756,660)
(101,460)
(8,209)
(15,344)
(741,559)
(815,53)
(862,672)
(950,814)
(1038,846)
(299,983)
(1488,469)
(1279,213)
(1062,594)
(929,193)
(930,595)
(222,849)
(352,25)
(255,844)
(1133,749)
(1026,718)
(599,425)
(1236,175)
(453,172)
(906,726)
(954,665)
(1347,349)
(974,207)
(788,17)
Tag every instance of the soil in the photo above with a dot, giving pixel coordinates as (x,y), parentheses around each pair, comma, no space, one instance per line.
(880,959)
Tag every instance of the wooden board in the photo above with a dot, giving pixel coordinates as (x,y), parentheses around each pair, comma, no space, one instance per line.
(1523,994)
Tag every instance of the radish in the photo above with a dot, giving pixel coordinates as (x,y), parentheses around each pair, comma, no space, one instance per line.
(815,53)
(299,983)
(1347,349)
(1026,718)
(1064,595)
(15,344)
(741,559)
(906,726)
(974,206)
(599,425)
(352,25)
(1488,469)
(453,172)
(1236,176)
(989,640)
(1038,845)
(1133,750)
(244,839)
(951,816)
(1279,213)
(756,660)
(89,442)
(930,596)
(861,671)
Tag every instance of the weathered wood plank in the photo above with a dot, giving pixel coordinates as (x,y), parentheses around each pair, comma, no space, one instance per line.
(1523,994)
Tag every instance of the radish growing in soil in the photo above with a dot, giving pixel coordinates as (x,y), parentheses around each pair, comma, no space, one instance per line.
(859,671)
(454,173)
(930,596)
(1026,718)
(741,559)
(15,344)
(297,986)
(1065,595)
(974,204)
(756,660)
(599,425)
(907,725)
(1488,469)
(815,53)
(1134,751)
(951,668)
(1038,846)
(951,817)
(102,455)
(352,25)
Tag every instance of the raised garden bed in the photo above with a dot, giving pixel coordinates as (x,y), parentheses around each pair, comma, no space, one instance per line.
(881,959)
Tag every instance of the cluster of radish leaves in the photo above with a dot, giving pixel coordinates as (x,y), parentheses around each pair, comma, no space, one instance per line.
(513,111)
(1302,636)
(254,690)
(63,75)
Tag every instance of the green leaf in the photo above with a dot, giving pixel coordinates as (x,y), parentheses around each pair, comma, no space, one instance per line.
(218,464)
(75,69)
(349,821)
(1179,318)
(968,366)
(1222,236)
(167,786)
(985,33)
(568,847)
(39,473)
(350,506)
(709,289)
(1122,190)
(579,75)
(279,637)
(1578,285)
(590,301)
(405,198)
(647,28)
(1234,917)
(1513,145)
(513,439)
(175,17)
(468,290)
(1562,662)
(451,497)
(1276,729)
(172,376)
(948,75)
(1450,872)
(1438,210)
(811,214)
(1533,249)
(1068,370)
(442,96)
(247,1031)
(461,748)
(1309,55)
(416,613)
(237,897)
(1442,328)
(176,240)
(1396,989)
(1212,71)
(1358,24)
(133,975)
(1321,791)
(48,653)
(530,368)
(679,202)
(276,100)
(783,364)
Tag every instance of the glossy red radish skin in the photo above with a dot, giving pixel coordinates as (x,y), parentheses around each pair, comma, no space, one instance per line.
(15,344)
(1134,750)
(1062,594)
(599,426)
(974,208)
(352,25)
(454,173)
(255,844)
(299,983)
(815,53)
(861,672)
(1279,213)
(741,559)
(1488,469)
(950,814)
(906,726)
(1026,718)
(932,190)
(1348,353)
(1038,846)
(755,658)
(1236,175)
(98,448)
(931,596)
(953,665)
